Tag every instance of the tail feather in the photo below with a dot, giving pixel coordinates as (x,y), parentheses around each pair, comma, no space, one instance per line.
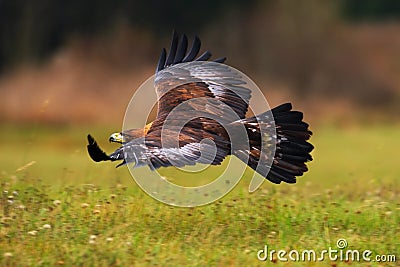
(292,149)
(289,117)
(281,108)
(301,126)
(290,167)
(293,158)
(295,134)
(276,174)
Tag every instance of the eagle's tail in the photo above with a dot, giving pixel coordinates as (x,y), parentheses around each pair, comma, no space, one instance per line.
(292,149)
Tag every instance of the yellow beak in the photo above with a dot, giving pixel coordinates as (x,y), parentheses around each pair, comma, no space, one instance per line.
(117,138)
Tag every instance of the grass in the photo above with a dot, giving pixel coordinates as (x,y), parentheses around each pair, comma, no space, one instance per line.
(59,208)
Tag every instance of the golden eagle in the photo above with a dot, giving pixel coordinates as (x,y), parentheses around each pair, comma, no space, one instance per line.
(145,147)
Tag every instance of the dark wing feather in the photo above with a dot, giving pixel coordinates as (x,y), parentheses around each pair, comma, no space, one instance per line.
(172,50)
(194,50)
(177,53)
(205,56)
(95,151)
(220,60)
(181,51)
(161,61)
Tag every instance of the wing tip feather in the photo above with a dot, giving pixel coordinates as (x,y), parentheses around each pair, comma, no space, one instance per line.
(178,52)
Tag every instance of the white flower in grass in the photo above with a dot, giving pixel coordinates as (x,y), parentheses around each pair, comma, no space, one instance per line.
(33,232)
(46,226)
(96,211)
(7,255)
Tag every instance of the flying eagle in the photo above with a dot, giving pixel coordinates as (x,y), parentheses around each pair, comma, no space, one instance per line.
(145,146)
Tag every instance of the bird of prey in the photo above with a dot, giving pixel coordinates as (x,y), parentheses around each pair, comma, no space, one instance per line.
(145,146)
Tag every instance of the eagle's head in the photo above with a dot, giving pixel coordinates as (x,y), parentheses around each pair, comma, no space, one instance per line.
(129,135)
(117,138)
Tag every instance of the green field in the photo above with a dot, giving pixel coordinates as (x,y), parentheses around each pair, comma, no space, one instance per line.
(59,208)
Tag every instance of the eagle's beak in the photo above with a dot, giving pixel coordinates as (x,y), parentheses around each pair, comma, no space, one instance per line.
(116,137)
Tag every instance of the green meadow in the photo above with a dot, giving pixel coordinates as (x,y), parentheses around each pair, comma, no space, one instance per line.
(58,208)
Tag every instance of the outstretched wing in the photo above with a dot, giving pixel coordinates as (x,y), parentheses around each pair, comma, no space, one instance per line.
(180,78)
(173,146)
(151,151)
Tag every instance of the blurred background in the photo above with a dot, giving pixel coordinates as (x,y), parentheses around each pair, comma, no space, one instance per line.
(79,62)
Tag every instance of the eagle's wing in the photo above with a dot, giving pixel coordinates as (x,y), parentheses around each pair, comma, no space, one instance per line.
(151,151)
(185,81)
(180,78)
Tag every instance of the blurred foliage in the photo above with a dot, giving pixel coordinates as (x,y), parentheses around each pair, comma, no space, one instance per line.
(377,10)
(31,30)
